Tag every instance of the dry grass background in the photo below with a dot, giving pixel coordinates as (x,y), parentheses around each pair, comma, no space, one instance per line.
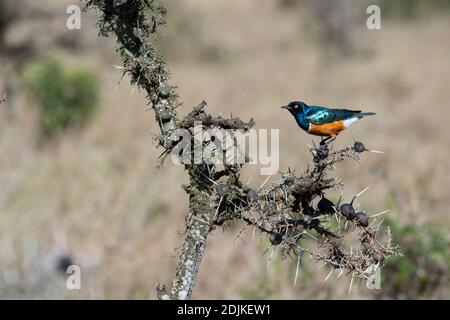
(97,195)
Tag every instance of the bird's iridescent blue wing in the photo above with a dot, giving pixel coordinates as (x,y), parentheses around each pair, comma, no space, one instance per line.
(321,115)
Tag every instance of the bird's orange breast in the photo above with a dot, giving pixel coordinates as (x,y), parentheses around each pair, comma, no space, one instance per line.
(328,129)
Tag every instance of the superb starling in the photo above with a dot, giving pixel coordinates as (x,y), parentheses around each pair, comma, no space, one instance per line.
(321,121)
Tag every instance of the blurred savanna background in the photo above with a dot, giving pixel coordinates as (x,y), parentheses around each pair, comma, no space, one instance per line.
(79,176)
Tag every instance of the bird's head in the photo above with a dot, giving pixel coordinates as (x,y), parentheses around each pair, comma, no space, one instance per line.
(295,107)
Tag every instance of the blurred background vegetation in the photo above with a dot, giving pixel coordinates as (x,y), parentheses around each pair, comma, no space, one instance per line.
(78,176)
(66,98)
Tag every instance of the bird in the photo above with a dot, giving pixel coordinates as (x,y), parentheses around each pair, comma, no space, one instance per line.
(323,121)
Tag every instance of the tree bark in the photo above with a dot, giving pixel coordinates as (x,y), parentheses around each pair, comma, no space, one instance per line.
(199,223)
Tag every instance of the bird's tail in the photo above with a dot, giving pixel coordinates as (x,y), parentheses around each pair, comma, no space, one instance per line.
(363,114)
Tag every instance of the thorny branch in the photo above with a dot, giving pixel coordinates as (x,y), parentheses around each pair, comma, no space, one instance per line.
(287,210)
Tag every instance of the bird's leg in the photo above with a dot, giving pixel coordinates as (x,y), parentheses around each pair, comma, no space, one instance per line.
(324,141)
(331,139)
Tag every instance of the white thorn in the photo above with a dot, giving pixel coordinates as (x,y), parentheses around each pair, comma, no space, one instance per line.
(270,258)
(351,283)
(218,206)
(375,151)
(379,214)
(305,232)
(329,275)
(318,217)
(378,226)
(359,194)
(296,270)
(373,222)
(211,180)
(265,181)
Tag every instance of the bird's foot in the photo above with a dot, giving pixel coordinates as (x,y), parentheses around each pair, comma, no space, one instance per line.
(327,141)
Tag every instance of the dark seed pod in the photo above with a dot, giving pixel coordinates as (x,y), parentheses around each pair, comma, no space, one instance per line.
(362,219)
(359,147)
(377,257)
(222,189)
(323,152)
(164,91)
(298,251)
(165,114)
(252,196)
(275,239)
(314,223)
(348,211)
(325,206)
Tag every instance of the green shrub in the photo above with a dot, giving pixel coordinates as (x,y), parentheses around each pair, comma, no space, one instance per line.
(424,267)
(66,98)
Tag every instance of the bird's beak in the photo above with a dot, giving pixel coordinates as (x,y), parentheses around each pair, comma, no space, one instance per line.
(284,107)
